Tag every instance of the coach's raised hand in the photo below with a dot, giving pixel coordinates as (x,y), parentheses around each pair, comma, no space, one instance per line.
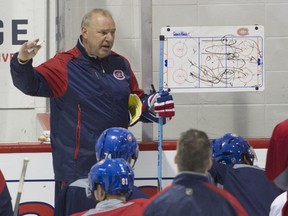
(28,50)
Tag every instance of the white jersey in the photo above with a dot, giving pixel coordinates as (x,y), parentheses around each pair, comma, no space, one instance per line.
(277,205)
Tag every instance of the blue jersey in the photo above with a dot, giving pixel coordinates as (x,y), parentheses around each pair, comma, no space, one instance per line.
(5,199)
(191,194)
(248,184)
(76,200)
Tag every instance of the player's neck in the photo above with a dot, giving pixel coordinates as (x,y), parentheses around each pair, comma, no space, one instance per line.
(119,197)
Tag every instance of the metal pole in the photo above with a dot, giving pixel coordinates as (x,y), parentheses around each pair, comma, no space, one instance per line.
(160,124)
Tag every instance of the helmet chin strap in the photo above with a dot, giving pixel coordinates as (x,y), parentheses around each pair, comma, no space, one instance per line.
(132,162)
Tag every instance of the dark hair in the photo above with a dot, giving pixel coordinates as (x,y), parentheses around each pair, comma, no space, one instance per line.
(193,151)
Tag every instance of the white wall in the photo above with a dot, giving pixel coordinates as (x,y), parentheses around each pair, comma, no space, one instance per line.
(250,114)
(18,111)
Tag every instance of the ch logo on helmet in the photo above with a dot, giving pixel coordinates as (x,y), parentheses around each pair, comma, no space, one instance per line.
(129,138)
(234,135)
(119,74)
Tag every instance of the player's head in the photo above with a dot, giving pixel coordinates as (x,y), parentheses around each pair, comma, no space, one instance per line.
(233,149)
(193,152)
(115,176)
(117,142)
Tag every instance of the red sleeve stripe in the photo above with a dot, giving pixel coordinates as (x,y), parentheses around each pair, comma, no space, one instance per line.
(2,182)
(55,71)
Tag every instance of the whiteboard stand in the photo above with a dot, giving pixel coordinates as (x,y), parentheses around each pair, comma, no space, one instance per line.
(160,124)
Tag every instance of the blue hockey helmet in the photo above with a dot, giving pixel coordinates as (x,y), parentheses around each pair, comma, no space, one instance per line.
(117,142)
(231,149)
(116,176)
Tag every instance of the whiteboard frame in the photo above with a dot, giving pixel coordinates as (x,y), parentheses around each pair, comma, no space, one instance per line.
(248,78)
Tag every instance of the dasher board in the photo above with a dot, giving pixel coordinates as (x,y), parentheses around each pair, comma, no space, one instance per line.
(213,59)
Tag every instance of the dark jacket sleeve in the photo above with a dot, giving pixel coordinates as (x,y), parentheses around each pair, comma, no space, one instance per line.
(28,80)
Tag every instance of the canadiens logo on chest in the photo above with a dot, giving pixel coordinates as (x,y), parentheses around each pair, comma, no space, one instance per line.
(119,74)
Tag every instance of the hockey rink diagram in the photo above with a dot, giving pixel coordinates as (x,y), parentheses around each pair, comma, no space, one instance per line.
(211,62)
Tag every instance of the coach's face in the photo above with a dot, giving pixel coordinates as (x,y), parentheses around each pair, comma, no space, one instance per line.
(98,36)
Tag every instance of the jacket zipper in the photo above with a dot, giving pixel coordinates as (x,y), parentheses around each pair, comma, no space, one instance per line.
(103,70)
(78,127)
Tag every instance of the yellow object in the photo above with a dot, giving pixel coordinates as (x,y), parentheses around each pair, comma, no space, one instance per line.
(135,108)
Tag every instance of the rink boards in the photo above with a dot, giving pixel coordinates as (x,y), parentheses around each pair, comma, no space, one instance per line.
(38,190)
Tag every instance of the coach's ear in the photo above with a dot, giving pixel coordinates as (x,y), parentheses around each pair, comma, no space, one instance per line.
(209,165)
(176,159)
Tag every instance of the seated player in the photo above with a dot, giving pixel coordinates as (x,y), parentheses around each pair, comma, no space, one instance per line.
(114,142)
(110,180)
(234,170)
(277,159)
(191,193)
(5,198)
(119,142)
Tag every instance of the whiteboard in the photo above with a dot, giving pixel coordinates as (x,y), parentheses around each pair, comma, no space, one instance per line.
(213,59)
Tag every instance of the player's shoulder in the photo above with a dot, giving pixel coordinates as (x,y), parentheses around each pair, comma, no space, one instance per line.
(140,201)
(248,167)
(279,132)
(66,56)
(227,199)
(217,192)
